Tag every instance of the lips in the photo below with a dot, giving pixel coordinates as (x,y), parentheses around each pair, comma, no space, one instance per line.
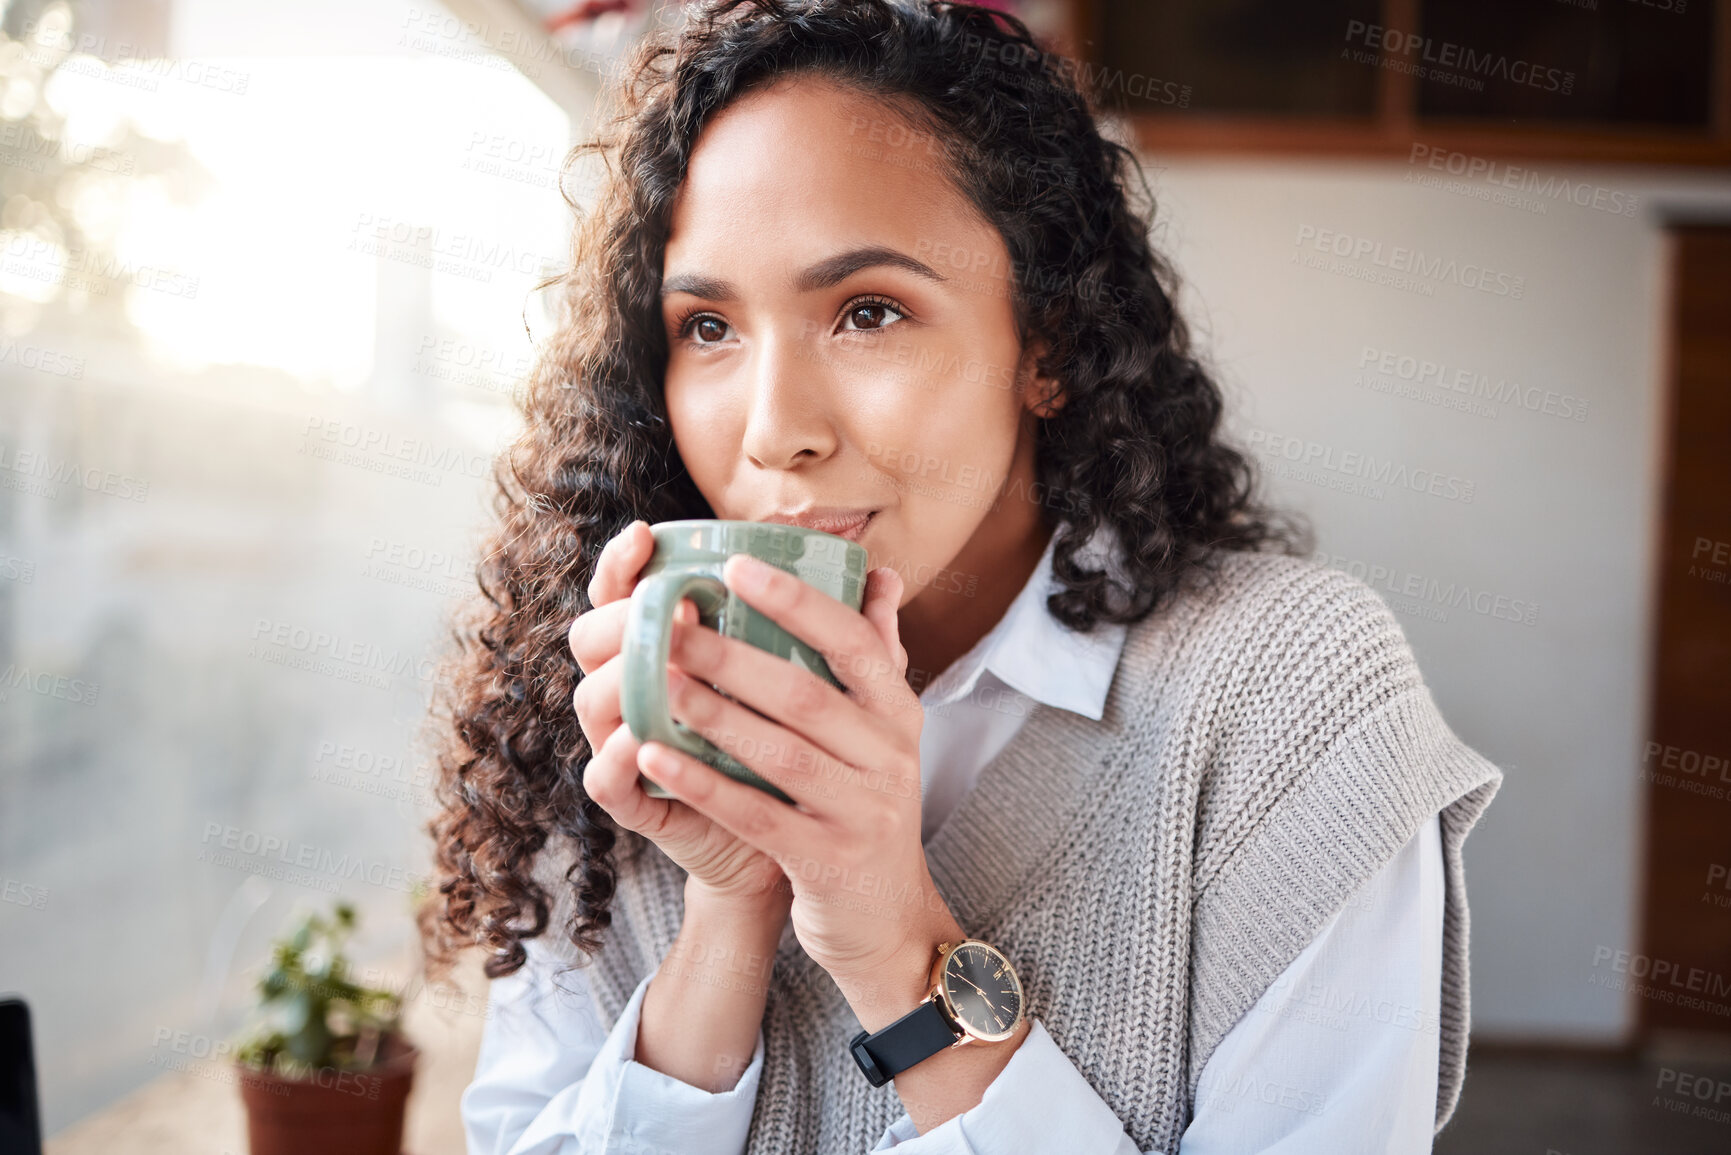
(848,523)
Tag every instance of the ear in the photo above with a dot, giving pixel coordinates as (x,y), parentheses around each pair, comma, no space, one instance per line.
(1041,395)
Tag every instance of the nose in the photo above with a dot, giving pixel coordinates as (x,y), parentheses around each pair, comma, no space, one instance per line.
(789,420)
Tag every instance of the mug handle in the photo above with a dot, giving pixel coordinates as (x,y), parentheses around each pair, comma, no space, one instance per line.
(648,642)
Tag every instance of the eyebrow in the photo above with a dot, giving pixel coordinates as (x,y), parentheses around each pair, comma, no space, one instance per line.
(827,273)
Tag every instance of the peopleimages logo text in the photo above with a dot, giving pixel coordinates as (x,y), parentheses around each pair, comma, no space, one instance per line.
(323,644)
(1400,259)
(1501,390)
(1479,169)
(236,841)
(1447,55)
(1367,467)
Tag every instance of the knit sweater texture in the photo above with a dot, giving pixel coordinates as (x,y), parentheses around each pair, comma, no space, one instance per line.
(1267,745)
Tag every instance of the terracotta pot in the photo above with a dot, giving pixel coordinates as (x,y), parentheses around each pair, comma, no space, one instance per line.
(333,1113)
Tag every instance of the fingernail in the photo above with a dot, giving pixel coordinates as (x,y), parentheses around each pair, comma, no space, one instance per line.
(751,574)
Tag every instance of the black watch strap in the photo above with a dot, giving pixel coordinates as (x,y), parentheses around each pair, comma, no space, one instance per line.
(913,1038)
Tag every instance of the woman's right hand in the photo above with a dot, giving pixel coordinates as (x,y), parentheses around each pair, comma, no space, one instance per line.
(716,861)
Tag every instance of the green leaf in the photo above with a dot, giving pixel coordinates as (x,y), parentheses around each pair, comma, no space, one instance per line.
(297,1013)
(316,1006)
(311,1045)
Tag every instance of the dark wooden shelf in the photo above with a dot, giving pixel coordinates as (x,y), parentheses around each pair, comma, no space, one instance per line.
(1395,124)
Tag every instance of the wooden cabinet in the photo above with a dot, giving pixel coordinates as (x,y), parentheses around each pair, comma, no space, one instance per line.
(1637,81)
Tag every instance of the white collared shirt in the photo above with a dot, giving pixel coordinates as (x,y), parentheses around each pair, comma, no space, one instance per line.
(1312,1067)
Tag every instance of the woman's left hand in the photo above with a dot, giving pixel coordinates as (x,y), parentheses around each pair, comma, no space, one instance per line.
(864,905)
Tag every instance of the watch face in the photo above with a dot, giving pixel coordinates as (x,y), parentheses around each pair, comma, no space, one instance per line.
(983,991)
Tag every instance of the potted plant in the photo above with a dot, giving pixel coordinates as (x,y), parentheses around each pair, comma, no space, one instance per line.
(327,1068)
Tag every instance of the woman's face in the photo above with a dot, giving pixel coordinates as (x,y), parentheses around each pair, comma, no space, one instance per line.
(842,340)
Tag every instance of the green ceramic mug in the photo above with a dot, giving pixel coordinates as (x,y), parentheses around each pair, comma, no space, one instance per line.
(687,563)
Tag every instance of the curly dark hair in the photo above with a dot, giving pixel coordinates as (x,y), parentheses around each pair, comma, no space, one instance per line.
(1137,440)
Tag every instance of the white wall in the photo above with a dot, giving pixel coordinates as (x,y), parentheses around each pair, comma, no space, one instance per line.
(1562,512)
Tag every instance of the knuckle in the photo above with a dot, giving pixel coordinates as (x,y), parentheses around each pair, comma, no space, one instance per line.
(807,697)
(882,824)
(590,697)
(756,821)
(701,646)
(598,736)
(693,702)
(609,773)
(619,746)
(605,581)
(597,640)
(598,780)
(861,639)
(583,648)
(686,645)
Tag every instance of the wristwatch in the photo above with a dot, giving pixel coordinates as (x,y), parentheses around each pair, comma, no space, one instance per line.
(974,996)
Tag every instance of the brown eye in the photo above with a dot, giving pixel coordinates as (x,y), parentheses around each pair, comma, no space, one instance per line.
(710,329)
(869,315)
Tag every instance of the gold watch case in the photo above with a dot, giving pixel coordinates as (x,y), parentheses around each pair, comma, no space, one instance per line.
(938,991)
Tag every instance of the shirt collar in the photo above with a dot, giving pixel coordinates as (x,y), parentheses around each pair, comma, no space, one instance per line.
(1034,653)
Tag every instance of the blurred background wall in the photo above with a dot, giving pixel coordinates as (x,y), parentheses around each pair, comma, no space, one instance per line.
(1551,514)
(266,288)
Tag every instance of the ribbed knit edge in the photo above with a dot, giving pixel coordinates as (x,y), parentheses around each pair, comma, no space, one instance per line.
(1273,897)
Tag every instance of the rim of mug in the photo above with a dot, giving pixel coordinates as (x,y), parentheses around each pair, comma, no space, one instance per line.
(680,524)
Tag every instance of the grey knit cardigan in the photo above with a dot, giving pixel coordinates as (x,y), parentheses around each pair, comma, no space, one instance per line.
(1267,745)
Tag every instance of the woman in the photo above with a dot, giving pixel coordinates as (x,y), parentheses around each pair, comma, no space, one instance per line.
(870,266)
